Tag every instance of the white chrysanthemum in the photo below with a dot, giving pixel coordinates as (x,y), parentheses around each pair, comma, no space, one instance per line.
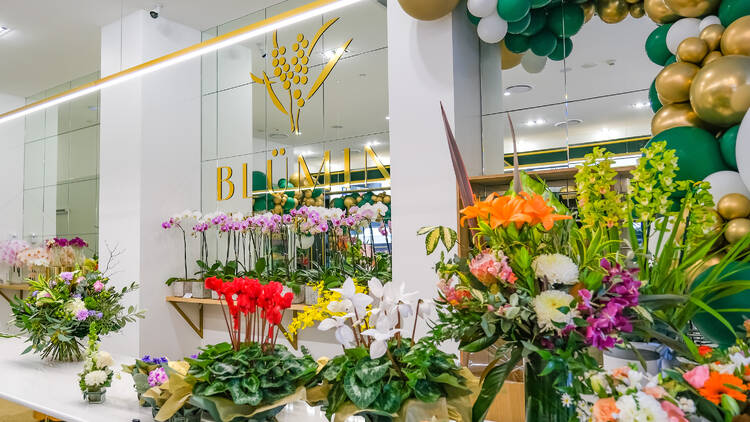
(88,365)
(74,306)
(95,378)
(556,269)
(687,405)
(546,306)
(103,360)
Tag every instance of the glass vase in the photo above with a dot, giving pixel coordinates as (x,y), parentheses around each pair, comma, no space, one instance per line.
(543,401)
(95,397)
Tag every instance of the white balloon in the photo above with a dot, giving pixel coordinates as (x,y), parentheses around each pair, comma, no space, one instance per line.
(492,29)
(708,21)
(482,8)
(724,183)
(533,63)
(683,28)
(742,150)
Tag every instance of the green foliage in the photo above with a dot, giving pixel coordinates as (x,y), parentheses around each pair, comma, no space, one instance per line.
(434,235)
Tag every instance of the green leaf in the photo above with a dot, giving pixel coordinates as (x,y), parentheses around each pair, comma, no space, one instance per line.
(425,230)
(446,378)
(479,344)
(492,384)
(729,405)
(427,391)
(361,395)
(448,236)
(389,399)
(356,354)
(371,371)
(431,240)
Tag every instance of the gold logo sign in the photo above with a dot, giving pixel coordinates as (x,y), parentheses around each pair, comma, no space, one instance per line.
(291,67)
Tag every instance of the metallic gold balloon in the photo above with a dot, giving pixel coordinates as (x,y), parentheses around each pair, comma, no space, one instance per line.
(427,10)
(387,199)
(696,269)
(718,225)
(737,229)
(659,12)
(348,201)
(588,10)
(720,92)
(633,1)
(611,11)
(693,8)
(294,179)
(675,115)
(710,57)
(736,38)
(673,82)
(278,209)
(508,59)
(712,36)
(637,11)
(692,50)
(733,205)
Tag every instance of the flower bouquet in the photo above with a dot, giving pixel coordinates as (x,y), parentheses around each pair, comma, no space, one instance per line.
(383,374)
(64,253)
(97,374)
(60,310)
(9,254)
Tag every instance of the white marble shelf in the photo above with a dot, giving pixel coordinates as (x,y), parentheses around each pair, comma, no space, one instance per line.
(52,388)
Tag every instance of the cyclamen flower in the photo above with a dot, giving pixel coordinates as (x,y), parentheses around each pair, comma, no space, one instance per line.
(157,377)
(489,267)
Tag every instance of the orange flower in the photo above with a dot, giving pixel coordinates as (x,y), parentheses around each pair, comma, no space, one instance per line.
(480,209)
(705,351)
(520,209)
(604,410)
(540,211)
(719,384)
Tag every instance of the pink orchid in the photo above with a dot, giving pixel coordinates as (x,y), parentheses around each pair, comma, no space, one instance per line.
(697,376)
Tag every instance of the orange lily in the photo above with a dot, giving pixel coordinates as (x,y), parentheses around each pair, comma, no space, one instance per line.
(520,209)
(540,211)
(480,209)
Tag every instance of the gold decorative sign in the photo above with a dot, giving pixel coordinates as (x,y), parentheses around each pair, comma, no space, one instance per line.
(292,73)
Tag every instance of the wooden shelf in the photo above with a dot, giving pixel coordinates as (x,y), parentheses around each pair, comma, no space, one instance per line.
(177,299)
(8,286)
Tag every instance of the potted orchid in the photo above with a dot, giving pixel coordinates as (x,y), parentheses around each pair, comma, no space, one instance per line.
(384,374)
(9,254)
(183,285)
(64,254)
(35,261)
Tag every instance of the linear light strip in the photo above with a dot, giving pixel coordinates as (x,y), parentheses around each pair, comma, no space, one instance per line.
(299,14)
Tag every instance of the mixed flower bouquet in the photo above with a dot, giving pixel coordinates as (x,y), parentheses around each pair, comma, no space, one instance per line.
(60,311)
(383,373)
(66,253)
(97,372)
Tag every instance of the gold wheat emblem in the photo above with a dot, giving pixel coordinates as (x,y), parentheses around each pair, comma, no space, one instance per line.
(291,67)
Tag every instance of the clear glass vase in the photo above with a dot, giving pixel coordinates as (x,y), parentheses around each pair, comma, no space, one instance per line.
(543,401)
(95,397)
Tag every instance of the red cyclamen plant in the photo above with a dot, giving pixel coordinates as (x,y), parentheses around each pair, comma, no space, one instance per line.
(260,306)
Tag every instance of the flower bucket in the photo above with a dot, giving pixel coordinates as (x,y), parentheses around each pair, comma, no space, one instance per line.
(311,295)
(619,357)
(95,397)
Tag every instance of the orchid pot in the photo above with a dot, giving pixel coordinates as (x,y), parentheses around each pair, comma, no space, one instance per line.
(15,275)
(199,290)
(619,357)
(95,397)
(311,295)
(182,288)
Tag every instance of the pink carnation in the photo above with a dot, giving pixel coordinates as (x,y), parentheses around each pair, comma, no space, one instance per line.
(697,376)
(98,286)
(488,269)
(674,413)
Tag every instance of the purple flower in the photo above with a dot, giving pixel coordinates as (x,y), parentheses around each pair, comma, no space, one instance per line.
(194,356)
(585,303)
(34,293)
(95,314)
(157,377)
(82,314)
(77,242)
(76,296)
(67,276)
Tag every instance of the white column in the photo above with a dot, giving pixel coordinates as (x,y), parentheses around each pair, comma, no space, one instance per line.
(428,62)
(11,184)
(150,168)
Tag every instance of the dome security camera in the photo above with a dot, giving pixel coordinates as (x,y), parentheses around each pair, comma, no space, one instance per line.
(155,12)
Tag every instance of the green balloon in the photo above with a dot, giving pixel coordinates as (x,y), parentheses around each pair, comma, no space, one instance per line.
(339,203)
(536,4)
(565,20)
(316,192)
(259,180)
(707,324)
(289,204)
(562,50)
(543,43)
(517,43)
(367,195)
(670,60)
(653,97)
(473,19)
(538,21)
(731,10)
(259,204)
(513,10)
(519,26)
(727,143)
(697,152)
(282,183)
(656,45)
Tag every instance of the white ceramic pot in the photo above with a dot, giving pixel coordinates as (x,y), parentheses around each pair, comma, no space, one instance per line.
(199,290)
(619,357)
(311,295)
(178,289)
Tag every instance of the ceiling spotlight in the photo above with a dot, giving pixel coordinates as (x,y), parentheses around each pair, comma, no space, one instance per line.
(278,136)
(641,104)
(337,127)
(536,122)
(4,30)
(518,89)
(569,122)
(372,143)
(506,93)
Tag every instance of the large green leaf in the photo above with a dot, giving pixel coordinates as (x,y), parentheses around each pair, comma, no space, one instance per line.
(389,399)
(371,371)
(431,240)
(446,378)
(480,343)
(448,236)
(425,230)
(427,391)
(361,395)
(492,384)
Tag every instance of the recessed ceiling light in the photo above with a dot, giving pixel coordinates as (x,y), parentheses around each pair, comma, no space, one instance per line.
(518,89)
(506,93)
(588,65)
(536,122)
(278,136)
(337,127)
(569,122)
(372,143)
(4,30)
(328,54)
(641,104)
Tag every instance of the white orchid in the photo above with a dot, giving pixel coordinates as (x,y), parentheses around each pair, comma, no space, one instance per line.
(351,300)
(426,309)
(343,333)
(384,330)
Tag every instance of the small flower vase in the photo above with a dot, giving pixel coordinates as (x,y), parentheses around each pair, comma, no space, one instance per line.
(95,397)
(311,295)
(543,401)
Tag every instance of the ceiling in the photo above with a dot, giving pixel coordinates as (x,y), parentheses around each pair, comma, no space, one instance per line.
(54,41)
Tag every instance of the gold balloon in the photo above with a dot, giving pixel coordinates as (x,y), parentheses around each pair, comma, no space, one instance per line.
(588,10)
(737,229)
(633,1)
(611,11)
(278,209)
(309,202)
(276,200)
(712,36)
(696,269)
(319,201)
(736,38)
(637,11)
(718,223)
(733,205)
(673,82)
(348,201)
(692,50)
(387,199)
(674,115)
(659,12)
(427,10)
(308,194)
(710,57)
(693,8)
(720,92)
(508,59)
(294,179)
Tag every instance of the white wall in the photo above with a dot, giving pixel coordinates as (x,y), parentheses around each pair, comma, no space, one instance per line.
(150,167)
(11,184)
